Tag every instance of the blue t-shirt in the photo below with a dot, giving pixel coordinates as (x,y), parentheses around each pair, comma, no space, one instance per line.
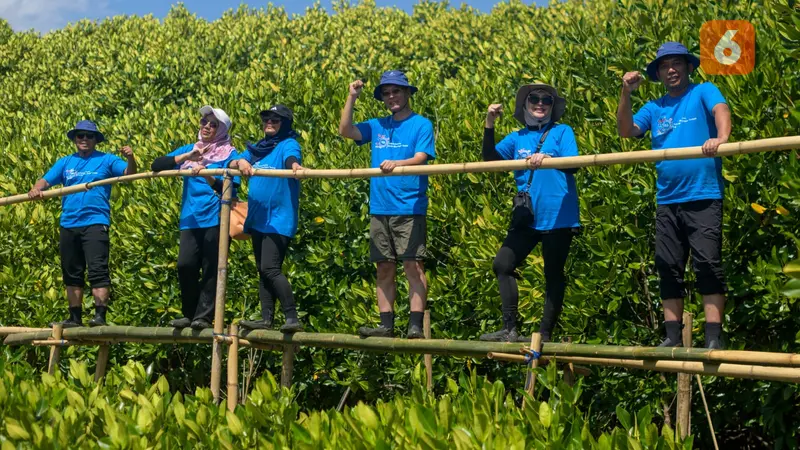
(396,140)
(273,203)
(90,207)
(684,121)
(199,202)
(553,194)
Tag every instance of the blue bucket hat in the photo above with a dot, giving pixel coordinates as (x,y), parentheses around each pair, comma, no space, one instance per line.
(670,49)
(86,125)
(396,77)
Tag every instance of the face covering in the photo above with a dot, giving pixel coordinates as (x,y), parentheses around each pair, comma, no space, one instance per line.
(535,122)
(266,145)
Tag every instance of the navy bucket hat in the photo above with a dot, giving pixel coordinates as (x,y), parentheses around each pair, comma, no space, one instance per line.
(86,125)
(396,77)
(670,49)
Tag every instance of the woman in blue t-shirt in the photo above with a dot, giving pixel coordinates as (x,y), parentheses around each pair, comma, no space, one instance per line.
(272,213)
(200,211)
(554,200)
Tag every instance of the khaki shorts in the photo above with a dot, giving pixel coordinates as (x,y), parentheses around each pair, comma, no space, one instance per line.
(397,238)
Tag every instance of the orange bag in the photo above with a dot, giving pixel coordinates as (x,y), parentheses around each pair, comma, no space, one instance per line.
(238,216)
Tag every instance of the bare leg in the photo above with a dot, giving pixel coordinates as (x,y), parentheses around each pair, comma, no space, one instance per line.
(714,306)
(673,309)
(101,295)
(386,286)
(417,284)
(74,296)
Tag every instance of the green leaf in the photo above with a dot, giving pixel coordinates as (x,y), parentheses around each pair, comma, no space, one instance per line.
(544,414)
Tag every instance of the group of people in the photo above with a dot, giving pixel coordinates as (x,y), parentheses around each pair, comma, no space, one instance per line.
(688,218)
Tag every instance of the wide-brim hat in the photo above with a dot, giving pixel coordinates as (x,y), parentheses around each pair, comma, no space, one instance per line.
(670,49)
(395,77)
(278,110)
(86,125)
(221,115)
(559,103)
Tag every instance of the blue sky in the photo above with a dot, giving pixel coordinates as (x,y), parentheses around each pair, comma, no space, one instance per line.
(45,15)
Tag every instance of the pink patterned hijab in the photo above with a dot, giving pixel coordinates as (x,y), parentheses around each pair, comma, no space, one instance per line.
(217,150)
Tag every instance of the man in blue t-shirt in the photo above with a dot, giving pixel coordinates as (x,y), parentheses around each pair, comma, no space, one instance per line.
(690,192)
(398,204)
(85,218)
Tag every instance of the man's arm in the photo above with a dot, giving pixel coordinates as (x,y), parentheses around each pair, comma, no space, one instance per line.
(418,158)
(346,127)
(128,153)
(625,125)
(36,191)
(722,118)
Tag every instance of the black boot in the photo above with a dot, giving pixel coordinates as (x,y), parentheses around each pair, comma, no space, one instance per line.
(713,336)
(380,331)
(183,322)
(674,338)
(256,324)
(415,325)
(200,324)
(291,326)
(99,319)
(75,319)
(507,334)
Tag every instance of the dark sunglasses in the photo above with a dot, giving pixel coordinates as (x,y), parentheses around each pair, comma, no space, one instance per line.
(271,120)
(204,122)
(81,135)
(535,99)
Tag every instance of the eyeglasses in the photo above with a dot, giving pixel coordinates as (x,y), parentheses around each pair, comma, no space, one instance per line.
(535,99)
(88,135)
(271,120)
(211,123)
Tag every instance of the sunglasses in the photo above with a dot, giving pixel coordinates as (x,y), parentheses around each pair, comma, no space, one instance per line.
(204,122)
(81,135)
(271,120)
(535,99)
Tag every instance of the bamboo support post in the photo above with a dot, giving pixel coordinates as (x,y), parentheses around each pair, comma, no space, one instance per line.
(233,368)
(601,159)
(708,413)
(287,366)
(569,370)
(102,362)
(55,351)
(426,327)
(684,408)
(222,279)
(530,377)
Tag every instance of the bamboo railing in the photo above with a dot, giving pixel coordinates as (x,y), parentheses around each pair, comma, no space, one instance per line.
(602,159)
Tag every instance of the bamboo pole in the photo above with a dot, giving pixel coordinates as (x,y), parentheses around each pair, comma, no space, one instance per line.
(233,368)
(530,378)
(102,361)
(569,371)
(222,280)
(426,327)
(5,331)
(543,361)
(55,351)
(287,365)
(52,343)
(684,408)
(118,334)
(708,413)
(602,159)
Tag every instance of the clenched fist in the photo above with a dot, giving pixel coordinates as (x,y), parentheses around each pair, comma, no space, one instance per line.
(631,81)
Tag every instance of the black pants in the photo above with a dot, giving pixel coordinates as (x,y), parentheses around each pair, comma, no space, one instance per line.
(82,248)
(197,271)
(684,228)
(516,247)
(270,251)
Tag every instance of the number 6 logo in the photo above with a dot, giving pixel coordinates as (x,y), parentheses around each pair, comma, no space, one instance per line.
(727,47)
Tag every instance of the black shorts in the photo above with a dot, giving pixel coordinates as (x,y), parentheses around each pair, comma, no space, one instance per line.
(82,248)
(690,228)
(397,238)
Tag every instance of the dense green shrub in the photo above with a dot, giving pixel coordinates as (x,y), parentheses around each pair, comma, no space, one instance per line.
(127,411)
(143,80)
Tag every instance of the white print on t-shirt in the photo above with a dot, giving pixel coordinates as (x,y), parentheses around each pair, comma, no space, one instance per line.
(524,153)
(384,141)
(72,173)
(666,124)
(263,165)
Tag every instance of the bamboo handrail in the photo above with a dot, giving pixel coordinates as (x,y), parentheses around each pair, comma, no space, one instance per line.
(5,331)
(603,159)
(475,349)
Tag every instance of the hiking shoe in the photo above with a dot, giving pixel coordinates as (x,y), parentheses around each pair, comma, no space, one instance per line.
(200,324)
(183,322)
(69,323)
(414,332)
(670,343)
(714,344)
(291,327)
(256,324)
(380,331)
(504,335)
(97,321)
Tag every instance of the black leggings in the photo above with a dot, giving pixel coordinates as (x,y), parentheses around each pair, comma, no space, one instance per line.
(270,250)
(516,247)
(197,271)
